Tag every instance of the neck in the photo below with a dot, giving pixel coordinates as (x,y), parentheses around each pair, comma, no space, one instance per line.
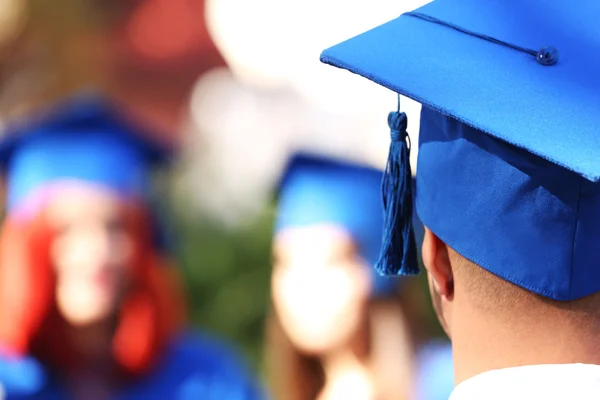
(93,342)
(485,341)
(340,363)
(346,370)
(96,377)
(346,376)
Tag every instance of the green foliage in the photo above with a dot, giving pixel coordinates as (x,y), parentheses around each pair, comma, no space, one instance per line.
(227,274)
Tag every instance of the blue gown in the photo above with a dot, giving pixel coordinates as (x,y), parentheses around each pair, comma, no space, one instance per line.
(194,367)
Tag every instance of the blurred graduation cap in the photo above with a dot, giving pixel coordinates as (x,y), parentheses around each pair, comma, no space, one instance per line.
(509,145)
(86,139)
(316,189)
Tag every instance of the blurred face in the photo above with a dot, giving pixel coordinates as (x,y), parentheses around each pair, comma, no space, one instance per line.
(90,252)
(320,287)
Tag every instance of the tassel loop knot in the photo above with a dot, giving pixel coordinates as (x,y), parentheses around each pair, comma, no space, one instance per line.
(398,122)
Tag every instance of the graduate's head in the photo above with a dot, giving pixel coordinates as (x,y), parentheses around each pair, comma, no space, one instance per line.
(77,243)
(326,295)
(508,171)
(95,236)
(327,237)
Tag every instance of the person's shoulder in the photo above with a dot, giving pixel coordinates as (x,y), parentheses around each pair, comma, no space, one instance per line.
(198,365)
(23,378)
(201,351)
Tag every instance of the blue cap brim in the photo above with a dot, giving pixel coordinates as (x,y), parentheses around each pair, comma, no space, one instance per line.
(81,112)
(550,111)
(318,190)
(84,138)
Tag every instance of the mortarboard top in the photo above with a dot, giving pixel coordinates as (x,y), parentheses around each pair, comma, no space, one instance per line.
(83,138)
(316,189)
(509,156)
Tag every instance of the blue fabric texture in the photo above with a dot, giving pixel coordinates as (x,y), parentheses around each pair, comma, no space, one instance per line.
(520,217)
(317,189)
(195,367)
(21,375)
(508,165)
(551,111)
(83,138)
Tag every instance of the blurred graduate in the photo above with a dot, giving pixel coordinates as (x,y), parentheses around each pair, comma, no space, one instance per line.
(339,330)
(89,308)
(508,184)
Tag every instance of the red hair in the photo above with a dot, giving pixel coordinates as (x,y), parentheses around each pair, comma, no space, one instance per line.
(150,314)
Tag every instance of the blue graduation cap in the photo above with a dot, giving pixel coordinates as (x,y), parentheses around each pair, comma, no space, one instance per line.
(509,149)
(316,190)
(83,138)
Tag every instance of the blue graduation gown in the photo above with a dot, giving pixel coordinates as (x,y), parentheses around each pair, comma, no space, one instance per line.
(194,367)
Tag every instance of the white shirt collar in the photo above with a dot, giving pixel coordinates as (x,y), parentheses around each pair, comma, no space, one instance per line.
(548,382)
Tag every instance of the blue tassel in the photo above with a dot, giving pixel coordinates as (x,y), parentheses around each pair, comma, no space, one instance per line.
(399,251)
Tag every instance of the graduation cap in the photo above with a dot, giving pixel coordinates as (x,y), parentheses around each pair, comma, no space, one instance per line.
(509,149)
(84,138)
(316,190)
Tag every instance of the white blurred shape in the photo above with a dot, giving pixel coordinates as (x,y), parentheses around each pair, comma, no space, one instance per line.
(12,19)
(279,97)
(275,40)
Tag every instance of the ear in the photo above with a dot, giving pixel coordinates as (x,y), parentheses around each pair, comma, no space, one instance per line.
(436,258)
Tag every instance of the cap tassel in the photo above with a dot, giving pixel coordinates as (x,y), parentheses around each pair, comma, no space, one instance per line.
(398,253)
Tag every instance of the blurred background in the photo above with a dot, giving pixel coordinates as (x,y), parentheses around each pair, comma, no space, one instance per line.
(236,86)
